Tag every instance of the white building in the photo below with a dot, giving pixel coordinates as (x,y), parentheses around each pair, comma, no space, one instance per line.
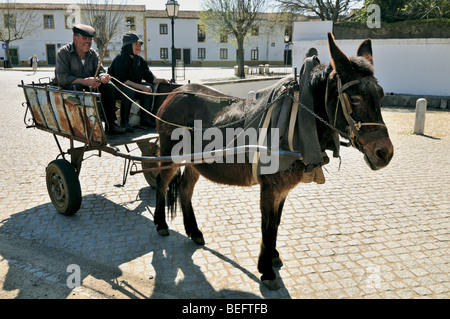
(402,66)
(193,44)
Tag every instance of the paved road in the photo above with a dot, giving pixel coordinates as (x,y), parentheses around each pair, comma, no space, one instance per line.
(363,234)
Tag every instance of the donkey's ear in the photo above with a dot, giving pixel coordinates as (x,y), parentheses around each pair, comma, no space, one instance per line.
(340,62)
(365,50)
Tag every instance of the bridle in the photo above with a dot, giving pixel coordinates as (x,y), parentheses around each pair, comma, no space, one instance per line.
(355,127)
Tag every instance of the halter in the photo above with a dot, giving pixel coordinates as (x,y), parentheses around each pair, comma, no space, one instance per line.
(347,110)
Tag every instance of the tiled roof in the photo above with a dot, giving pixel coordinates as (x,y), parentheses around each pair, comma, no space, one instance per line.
(63,6)
(136,8)
(181,14)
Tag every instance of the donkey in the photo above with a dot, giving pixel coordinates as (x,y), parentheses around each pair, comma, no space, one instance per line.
(345,93)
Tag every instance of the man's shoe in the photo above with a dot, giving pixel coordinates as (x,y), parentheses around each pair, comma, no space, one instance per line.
(114,129)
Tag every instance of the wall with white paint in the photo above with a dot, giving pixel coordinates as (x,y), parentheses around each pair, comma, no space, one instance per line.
(402,66)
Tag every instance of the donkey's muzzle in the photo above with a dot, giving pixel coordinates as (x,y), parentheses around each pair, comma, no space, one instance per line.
(379,153)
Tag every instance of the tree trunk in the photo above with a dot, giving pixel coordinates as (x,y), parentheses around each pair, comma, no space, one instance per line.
(240,57)
(8,57)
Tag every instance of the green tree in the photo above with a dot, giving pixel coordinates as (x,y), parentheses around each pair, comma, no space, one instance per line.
(326,10)
(105,17)
(233,17)
(16,24)
(400,10)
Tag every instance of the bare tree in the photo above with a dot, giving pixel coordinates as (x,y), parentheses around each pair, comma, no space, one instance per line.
(325,10)
(232,17)
(16,23)
(105,17)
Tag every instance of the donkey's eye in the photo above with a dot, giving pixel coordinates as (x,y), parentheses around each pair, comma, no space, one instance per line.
(356,100)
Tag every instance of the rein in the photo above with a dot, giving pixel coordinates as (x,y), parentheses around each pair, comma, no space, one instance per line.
(165,94)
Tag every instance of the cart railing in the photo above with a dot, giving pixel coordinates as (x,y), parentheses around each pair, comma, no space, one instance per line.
(71,114)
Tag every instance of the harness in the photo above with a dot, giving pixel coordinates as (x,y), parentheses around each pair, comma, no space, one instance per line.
(355,137)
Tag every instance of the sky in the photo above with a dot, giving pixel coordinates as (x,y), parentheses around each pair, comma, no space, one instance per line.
(189,5)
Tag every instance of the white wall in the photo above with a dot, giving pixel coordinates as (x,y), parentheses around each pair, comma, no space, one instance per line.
(402,66)
(59,35)
(186,38)
(241,88)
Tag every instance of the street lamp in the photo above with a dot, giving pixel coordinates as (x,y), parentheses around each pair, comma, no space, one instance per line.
(172,7)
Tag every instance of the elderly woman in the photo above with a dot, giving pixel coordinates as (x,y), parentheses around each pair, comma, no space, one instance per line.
(130,68)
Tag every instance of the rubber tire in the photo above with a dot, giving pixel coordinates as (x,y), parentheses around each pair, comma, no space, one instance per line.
(63,187)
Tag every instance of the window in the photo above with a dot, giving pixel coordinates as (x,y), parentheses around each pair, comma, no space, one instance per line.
(163,28)
(201,35)
(255,30)
(255,54)
(223,36)
(48,21)
(130,22)
(201,53)
(9,21)
(223,54)
(164,53)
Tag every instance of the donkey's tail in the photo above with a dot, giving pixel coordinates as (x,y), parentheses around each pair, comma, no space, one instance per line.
(172,195)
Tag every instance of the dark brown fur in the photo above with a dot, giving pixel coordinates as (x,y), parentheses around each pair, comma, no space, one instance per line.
(184,108)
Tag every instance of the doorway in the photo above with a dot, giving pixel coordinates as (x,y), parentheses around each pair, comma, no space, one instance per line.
(14,55)
(187,56)
(51,53)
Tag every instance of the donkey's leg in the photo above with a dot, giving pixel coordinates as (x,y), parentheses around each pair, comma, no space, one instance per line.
(276,260)
(186,189)
(162,182)
(271,214)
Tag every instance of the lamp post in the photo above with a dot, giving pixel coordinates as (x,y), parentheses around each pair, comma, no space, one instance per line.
(287,45)
(172,8)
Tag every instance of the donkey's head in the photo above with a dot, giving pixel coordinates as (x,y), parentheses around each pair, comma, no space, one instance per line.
(353,102)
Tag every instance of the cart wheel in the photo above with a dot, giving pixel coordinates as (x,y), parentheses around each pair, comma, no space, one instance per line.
(63,187)
(150,149)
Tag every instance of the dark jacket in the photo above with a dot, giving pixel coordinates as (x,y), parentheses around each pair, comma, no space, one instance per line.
(124,68)
(69,66)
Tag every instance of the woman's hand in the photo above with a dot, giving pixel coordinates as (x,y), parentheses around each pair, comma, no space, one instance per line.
(105,78)
(146,88)
(159,80)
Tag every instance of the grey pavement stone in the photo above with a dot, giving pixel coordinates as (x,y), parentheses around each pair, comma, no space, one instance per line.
(363,234)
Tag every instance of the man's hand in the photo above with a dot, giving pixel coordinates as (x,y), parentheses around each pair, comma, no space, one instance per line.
(92,82)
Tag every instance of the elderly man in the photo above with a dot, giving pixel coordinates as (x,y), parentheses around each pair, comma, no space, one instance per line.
(76,65)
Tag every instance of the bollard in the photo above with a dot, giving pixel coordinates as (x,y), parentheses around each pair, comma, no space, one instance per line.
(261,69)
(421,109)
(251,96)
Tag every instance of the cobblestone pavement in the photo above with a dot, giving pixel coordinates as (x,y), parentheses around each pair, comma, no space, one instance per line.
(363,234)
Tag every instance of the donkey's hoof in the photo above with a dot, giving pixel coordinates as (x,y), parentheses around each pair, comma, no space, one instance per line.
(198,240)
(271,284)
(163,232)
(276,262)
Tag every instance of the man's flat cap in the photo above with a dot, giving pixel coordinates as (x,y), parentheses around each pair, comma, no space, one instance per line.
(84,30)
